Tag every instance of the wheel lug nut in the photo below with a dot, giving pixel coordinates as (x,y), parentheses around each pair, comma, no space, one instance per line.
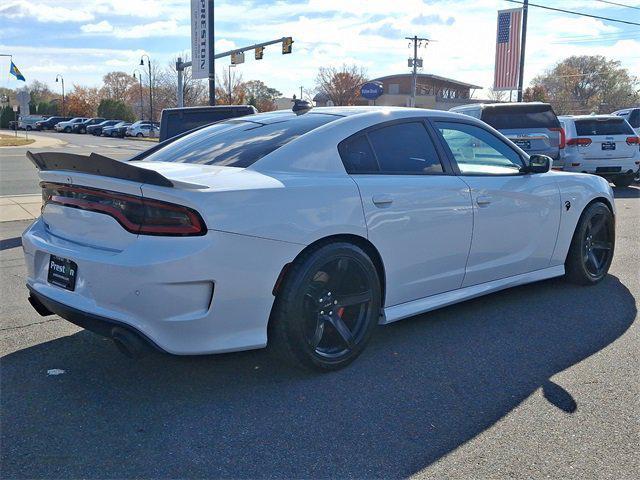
(321,312)
(330,313)
(335,302)
(322,299)
(329,294)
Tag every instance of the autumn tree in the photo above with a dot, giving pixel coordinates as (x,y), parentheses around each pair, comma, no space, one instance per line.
(589,83)
(261,96)
(116,85)
(230,90)
(82,102)
(342,84)
(536,93)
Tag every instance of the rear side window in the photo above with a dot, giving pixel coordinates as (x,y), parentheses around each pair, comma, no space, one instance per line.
(634,118)
(520,116)
(610,126)
(398,149)
(357,155)
(237,143)
(405,148)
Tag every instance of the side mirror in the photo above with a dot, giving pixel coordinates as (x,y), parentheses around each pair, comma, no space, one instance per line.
(538,164)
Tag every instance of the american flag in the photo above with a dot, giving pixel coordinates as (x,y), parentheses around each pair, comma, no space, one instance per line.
(507,50)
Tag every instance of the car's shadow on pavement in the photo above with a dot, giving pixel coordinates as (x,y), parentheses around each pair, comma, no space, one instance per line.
(627,192)
(422,388)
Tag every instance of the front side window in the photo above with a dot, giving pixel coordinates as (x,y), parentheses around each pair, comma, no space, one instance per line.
(477,151)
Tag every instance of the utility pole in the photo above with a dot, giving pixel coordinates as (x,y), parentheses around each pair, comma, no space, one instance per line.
(212,58)
(523,44)
(300,92)
(414,63)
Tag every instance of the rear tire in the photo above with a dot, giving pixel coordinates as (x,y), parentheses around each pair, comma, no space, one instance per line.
(592,246)
(623,180)
(138,134)
(326,308)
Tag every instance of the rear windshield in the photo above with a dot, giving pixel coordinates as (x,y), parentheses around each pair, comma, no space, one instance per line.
(520,116)
(609,126)
(239,142)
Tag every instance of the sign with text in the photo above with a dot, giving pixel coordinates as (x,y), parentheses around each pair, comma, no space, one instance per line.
(371,90)
(200,48)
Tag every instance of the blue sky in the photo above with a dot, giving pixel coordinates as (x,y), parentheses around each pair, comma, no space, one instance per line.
(84,39)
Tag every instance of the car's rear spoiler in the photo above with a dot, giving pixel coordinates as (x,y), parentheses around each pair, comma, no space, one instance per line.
(97,165)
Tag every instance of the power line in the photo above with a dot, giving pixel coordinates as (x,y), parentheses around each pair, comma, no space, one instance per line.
(576,13)
(618,4)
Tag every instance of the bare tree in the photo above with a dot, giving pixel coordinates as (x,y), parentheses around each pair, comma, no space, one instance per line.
(231,89)
(340,84)
(497,95)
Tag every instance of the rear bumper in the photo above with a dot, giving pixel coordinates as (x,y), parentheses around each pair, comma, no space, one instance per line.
(188,296)
(94,323)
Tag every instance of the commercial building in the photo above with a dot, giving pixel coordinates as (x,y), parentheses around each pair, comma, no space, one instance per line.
(432,91)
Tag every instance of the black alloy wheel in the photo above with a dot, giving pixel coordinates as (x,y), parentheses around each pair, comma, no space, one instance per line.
(592,247)
(327,307)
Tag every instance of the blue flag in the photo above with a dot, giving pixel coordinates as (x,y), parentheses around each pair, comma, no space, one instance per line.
(16,72)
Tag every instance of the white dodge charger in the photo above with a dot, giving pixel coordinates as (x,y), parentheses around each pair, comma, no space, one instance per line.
(304,231)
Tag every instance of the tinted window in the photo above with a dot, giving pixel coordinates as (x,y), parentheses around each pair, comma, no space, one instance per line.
(357,155)
(478,152)
(238,143)
(634,118)
(503,117)
(610,126)
(405,148)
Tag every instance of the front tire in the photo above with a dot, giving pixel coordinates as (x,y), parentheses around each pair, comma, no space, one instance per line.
(592,246)
(67,129)
(326,308)
(138,134)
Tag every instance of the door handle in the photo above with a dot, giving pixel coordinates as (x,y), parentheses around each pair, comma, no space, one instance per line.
(382,200)
(483,200)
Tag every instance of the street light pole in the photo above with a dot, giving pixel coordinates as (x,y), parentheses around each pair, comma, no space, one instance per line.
(523,44)
(150,85)
(62,81)
(140,83)
(230,65)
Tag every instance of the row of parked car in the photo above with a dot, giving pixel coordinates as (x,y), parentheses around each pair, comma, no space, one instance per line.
(98,126)
(604,145)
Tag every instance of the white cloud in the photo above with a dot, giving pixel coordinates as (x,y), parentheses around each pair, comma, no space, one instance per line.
(44,12)
(155,29)
(100,27)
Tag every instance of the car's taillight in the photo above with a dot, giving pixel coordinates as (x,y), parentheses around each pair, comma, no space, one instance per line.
(562,135)
(582,142)
(633,140)
(136,214)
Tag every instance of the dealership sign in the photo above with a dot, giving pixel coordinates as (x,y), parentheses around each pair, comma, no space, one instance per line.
(200,50)
(371,90)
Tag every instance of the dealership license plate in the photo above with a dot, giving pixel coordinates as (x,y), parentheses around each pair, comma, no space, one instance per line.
(608,145)
(523,144)
(62,272)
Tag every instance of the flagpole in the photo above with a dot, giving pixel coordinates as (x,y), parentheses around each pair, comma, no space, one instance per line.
(525,10)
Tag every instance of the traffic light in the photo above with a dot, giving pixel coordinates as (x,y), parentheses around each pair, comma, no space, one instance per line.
(259,53)
(286,45)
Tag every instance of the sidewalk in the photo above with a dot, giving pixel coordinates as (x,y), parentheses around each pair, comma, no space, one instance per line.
(19,207)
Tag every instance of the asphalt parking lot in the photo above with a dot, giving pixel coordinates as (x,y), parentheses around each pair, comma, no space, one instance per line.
(540,381)
(18,176)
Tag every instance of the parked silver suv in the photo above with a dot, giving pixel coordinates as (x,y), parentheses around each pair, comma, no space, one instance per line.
(533,126)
